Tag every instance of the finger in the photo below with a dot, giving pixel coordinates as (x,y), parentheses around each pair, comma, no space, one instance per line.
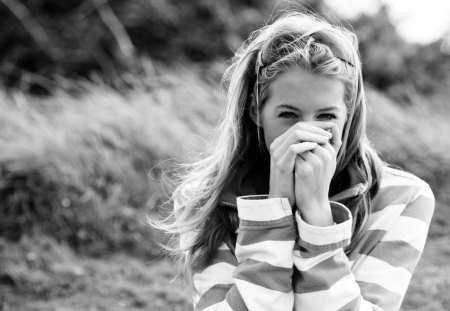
(323,151)
(298,136)
(302,135)
(336,139)
(302,167)
(288,159)
(329,148)
(318,127)
(311,158)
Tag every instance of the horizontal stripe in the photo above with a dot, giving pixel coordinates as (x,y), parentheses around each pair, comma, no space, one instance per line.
(224,256)
(322,276)
(262,225)
(368,242)
(427,192)
(311,250)
(323,235)
(422,209)
(263,209)
(392,196)
(398,178)
(380,296)
(344,291)
(410,230)
(312,301)
(368,306)
(285,233)
(234,300)
(398,254)
(222,306)
(265,275)
(276,253)
(373,270)
(384,219)
(353,305)
(262,299)
(219,273)
(341,293)
(213,296)
(303,264)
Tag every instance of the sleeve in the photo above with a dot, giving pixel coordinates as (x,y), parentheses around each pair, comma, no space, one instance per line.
(380,271)
(259,276)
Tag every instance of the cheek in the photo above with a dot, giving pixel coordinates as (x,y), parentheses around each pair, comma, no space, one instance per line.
(272,130)
(268,129)
(341,123)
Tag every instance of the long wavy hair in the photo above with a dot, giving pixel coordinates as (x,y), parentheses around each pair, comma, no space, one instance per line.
(290,39)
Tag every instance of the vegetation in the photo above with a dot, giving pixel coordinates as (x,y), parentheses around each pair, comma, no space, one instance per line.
(80,169)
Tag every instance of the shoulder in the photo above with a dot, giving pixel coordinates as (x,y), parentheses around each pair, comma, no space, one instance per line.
(404,201)
(403,183)
(399,187)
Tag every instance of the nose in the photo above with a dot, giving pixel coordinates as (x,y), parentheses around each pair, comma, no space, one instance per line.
(308,118)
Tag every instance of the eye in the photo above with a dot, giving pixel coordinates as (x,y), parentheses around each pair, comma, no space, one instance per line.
(327,116)
(287,115)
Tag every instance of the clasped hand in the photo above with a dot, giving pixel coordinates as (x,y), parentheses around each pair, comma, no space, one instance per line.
(303,162)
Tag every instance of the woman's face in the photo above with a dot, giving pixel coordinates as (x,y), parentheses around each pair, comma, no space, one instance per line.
(297,95)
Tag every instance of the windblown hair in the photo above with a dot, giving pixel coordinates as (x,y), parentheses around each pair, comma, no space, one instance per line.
(292,38)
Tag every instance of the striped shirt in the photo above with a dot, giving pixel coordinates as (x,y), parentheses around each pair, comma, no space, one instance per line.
(283,263)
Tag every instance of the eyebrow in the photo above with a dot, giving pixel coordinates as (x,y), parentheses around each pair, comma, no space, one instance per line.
(295,108)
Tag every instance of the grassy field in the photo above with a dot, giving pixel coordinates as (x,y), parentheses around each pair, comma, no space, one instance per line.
(80,172)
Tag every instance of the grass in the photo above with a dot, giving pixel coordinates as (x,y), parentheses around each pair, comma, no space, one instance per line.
(78,174)
(40,274)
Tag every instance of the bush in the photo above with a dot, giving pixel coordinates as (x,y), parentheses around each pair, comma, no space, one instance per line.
(78,168)
(45,39)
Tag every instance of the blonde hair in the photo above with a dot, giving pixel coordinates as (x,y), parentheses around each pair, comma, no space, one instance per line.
(293,38)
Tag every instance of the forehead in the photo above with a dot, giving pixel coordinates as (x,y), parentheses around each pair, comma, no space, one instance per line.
(297,86)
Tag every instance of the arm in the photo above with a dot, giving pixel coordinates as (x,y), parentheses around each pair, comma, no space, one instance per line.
(379,276)
(259,277)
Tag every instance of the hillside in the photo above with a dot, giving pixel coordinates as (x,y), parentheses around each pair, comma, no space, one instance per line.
(80,172)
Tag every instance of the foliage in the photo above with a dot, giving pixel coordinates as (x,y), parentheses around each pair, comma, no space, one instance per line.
(43,39)
(391,64)
(78,168)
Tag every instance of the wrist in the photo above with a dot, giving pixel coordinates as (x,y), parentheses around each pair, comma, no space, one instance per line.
(273,194)
(317,213)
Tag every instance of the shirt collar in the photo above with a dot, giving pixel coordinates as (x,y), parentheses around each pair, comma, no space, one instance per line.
(252,177)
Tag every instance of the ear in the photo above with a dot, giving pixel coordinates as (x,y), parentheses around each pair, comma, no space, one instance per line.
(253,111)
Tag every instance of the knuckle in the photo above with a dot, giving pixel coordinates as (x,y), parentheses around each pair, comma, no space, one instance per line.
(292,149)
(299,126)
(317,163)
(280,166)
(304,170)
(297,133)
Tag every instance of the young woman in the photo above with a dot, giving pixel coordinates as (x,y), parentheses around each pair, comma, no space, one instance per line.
(291,208)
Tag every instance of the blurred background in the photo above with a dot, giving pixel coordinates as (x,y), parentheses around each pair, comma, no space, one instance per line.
(99,97)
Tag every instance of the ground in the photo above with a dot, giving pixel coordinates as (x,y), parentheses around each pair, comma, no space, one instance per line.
(43,275)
